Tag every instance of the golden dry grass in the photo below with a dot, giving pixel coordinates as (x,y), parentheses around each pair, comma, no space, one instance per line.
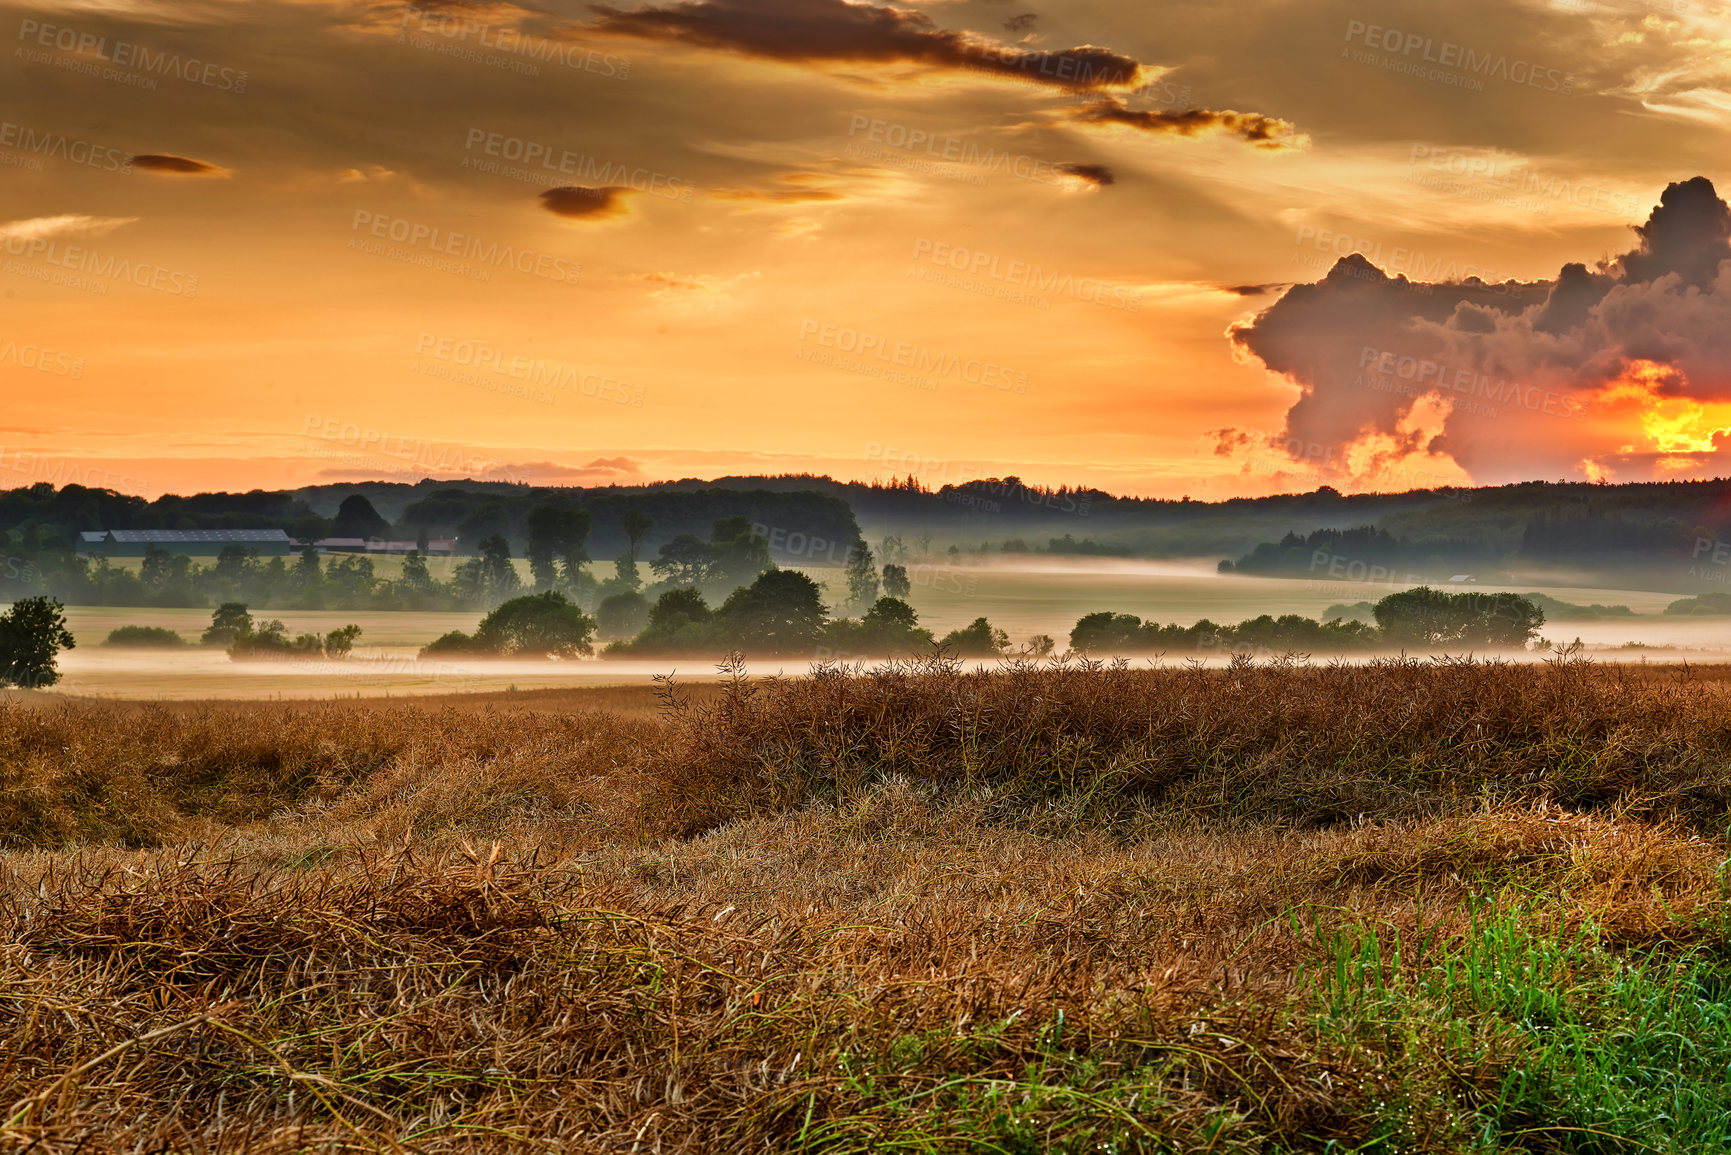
(1077,908)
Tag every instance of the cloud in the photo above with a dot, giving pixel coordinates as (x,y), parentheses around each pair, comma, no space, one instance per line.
(1597,372)
(171,165)
(601,469)
(64,225)
(590,204)
(1262,131)
(1096,175)
(699,290)
(803,188)
(837,31)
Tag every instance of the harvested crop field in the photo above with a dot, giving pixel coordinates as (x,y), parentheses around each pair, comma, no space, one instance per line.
(1403,906)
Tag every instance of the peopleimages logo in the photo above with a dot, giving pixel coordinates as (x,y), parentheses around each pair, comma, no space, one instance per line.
(435,240)
(41,359)
(127,54)
(1025,275)
(79,259)
(482,357)
(553,160)
(57,146)
(1472,63)
(953,150)
(917,359)
(431,21)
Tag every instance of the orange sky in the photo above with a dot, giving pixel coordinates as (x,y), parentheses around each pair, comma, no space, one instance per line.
(795,236)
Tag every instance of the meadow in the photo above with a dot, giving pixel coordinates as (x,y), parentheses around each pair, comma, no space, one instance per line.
(1028,598)
(1435,906)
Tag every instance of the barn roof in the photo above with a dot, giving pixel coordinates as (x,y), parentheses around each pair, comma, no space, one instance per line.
(172,536)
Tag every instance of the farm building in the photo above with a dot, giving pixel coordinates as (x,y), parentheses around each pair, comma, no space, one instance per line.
(193,542)
(437,547)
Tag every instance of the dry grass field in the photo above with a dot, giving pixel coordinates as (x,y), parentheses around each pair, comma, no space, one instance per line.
(1408,906)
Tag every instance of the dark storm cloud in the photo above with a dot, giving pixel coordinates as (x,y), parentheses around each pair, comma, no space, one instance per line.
(176,165)
(579,203)
(1364,347)
(1262,131)
(1094,174)
(814,31)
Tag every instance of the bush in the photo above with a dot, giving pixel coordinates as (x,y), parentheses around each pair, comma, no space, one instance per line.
(145,638)
(976,640)
(272,641)
(456,644)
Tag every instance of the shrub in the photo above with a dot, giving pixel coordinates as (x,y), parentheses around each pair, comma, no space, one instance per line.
(976,640)
(145,638)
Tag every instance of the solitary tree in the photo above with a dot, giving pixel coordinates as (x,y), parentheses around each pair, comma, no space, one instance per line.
(32,633)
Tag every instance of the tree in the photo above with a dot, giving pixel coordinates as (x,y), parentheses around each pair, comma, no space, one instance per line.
(1427,618)
(557,537)
(229,620)
(537,625)
(416,576)
(1105,632)
(340,641)
(862,575)
(309,579)
(976,640)
(889,628)
(622,615)
(356,517)
(896,583)
(637,525)
(679,607)
(498,575)
(684,561)
(32,634)
(779,613)
(741,553)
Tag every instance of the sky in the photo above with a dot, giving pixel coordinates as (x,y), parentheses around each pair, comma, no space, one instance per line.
(272,243)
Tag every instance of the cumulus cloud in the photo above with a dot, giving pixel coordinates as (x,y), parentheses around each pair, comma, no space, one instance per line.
(172,165)
(1262,131)
(1620,370)
(837,31)
(64,225)
(587,204)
